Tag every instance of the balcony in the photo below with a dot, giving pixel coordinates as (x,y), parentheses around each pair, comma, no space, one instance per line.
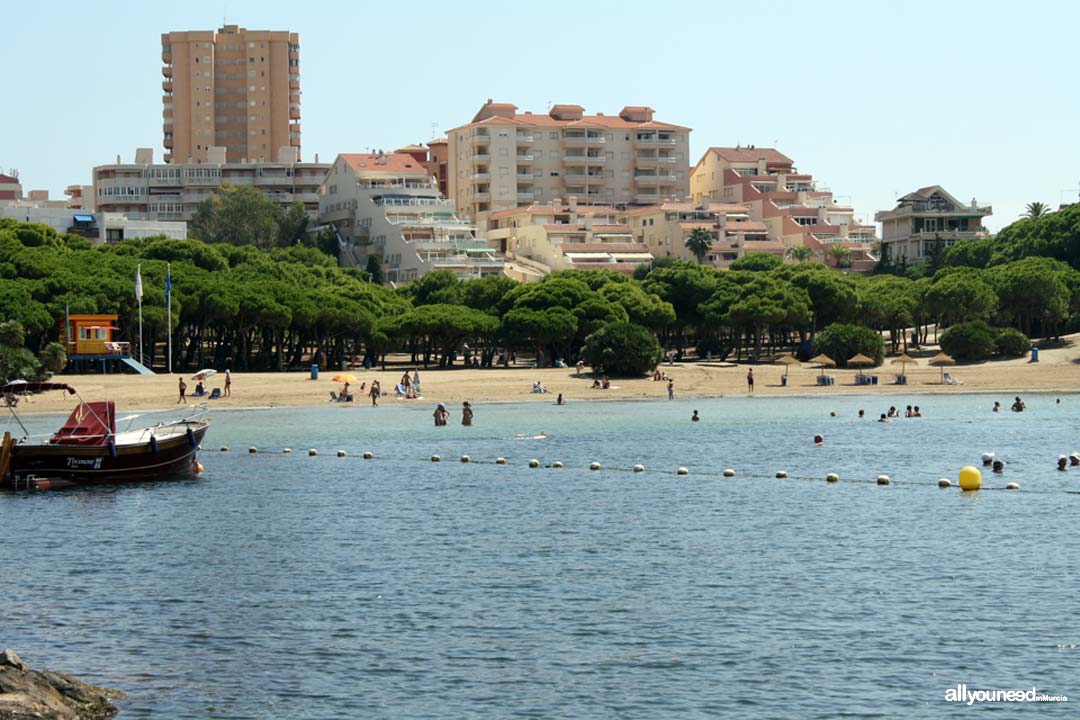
(524,158)
(166,85)
(168,141)
(583,159)
(294,113)
(481,195)
(523,139)
(525,194)
(647,161)
(484,176)
(646,198)
(479,139)
(167,71)
(524,174)
(294,84)
(480,157)
(580,140)
(654,140)
(166,56)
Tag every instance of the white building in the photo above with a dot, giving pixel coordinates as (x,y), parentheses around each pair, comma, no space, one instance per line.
(99,227)
(389,206)
(926,219)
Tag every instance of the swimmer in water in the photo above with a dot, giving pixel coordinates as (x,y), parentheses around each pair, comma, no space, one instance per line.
(695,417)
(819,440)
(999,466)
(1062,463)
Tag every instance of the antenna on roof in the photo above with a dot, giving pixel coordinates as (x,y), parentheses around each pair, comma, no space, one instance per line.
(434,130)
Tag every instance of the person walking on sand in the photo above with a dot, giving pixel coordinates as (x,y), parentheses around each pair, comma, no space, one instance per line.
(374,393)
(750,380)
(183,392)
(228,383)
(670,389)
(466,413)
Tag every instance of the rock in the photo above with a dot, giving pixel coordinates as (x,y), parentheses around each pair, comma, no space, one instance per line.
(48,695)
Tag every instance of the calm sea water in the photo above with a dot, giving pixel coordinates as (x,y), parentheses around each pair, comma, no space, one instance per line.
(288,586)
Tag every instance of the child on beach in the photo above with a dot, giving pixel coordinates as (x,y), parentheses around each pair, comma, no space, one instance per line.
(183,392)
(750,380)
(228,383)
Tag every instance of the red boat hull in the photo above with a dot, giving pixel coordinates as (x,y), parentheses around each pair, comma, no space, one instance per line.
(45,466)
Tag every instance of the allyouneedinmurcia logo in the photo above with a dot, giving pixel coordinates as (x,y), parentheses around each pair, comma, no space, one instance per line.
(963,694)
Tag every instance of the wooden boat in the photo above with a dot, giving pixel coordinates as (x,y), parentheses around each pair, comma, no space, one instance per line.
(87,449)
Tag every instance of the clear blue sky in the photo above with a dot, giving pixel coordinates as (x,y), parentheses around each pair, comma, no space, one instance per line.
(875,99)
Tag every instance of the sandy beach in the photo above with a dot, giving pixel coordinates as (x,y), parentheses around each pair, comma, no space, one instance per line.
(1058,370)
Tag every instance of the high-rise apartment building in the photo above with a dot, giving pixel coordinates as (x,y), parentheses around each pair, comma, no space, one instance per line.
(504,159)
(234,88)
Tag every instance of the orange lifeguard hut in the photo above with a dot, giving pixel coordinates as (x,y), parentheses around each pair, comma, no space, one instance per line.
(90,337)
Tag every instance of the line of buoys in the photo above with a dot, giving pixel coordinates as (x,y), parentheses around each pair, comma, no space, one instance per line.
(728,472)
(1012,486)
(682,471)
(368,455)
(944,483)
(970,478)
(312,452)
(500,461)
(464,458)
(781,473)
(594,465)
(832,477)
(639,468)
(883,480)
(534,463)
(341,453)
(557,465)
(435,458)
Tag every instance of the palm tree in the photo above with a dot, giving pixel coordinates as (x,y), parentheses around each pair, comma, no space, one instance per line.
(801,253)
(699,242)
(1036,209)
(841,256)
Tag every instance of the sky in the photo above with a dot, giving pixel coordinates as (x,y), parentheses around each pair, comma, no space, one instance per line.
(874,99)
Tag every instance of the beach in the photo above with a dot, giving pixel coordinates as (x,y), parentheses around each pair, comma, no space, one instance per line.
(1058,370)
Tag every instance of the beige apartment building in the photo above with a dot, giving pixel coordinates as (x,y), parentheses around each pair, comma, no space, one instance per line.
(795,209)
(664,229)
(143,190)
(504,159)
(235,88)
(928,221)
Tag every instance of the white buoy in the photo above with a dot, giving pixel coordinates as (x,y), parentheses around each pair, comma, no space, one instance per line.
(286,451)
(312,452)
(465,458)
(682,471)
(728,472)
(534,463)
(341,453)
(500,461)
(639,468)
(883,480)
(253,450)
(832,477)
(944,483)
(594,465)
(557,465)
(781,473)
(435,458)
(199,448)
(1012,486)
(368,455)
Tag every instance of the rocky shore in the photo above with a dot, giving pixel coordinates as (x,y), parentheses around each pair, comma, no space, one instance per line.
(27,694)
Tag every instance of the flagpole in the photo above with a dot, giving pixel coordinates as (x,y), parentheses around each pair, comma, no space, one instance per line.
(168,298)
(138,276)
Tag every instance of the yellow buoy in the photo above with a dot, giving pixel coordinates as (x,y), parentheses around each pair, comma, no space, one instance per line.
(944,483)
(970,478)
(832,477)
(435,458)
(682,471)
(728,472)
(368,455)
(198,467)
(781,473)
(882,479)
(557,465)
(312,452)
(594,465)
(1012,486)
(639,468)
(534,463)
(341,453)
(500,461)
(465,458)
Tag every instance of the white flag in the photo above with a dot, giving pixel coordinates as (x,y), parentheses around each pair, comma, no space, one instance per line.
(138,283)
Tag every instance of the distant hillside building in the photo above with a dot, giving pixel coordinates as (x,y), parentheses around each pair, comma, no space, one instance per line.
(10,187)
(389,206)
(927,220)
(794,208)
(504,159)
(665,228)
(143,190)
(237,89)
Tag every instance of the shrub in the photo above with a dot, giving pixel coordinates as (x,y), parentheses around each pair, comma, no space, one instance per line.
(1010,342)
(972,340)
(840,342)
(622,348)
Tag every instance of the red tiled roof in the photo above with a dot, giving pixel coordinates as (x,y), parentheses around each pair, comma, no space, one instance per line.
(387,163)
(744,154)
(8,180)
(506,113)
(746,227)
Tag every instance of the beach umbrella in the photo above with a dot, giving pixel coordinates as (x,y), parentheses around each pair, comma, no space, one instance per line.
(860,361)
(903,360)
(344,378)
(204,374)
(941,360)
(824,361)
(787,361)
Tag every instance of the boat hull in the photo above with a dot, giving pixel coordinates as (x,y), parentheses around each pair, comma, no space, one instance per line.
(72,465)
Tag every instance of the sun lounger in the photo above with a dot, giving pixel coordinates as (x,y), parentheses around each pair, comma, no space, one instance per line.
(950,380)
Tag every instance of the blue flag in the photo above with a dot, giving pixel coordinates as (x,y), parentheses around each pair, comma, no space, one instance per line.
(168,282)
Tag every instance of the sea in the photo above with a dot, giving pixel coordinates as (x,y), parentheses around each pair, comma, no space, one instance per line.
(291,585)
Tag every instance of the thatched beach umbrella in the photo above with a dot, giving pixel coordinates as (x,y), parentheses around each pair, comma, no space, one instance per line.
(903,360)
(860,361)
(824,361)
(787,361)
(941,360)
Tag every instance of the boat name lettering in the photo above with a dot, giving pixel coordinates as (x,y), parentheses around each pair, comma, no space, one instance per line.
(91,463)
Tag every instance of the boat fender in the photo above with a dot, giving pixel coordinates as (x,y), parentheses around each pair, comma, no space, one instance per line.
(153,444)
(191,437)
(112,448)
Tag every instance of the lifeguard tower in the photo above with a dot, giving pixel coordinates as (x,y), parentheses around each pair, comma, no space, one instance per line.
(88,340)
